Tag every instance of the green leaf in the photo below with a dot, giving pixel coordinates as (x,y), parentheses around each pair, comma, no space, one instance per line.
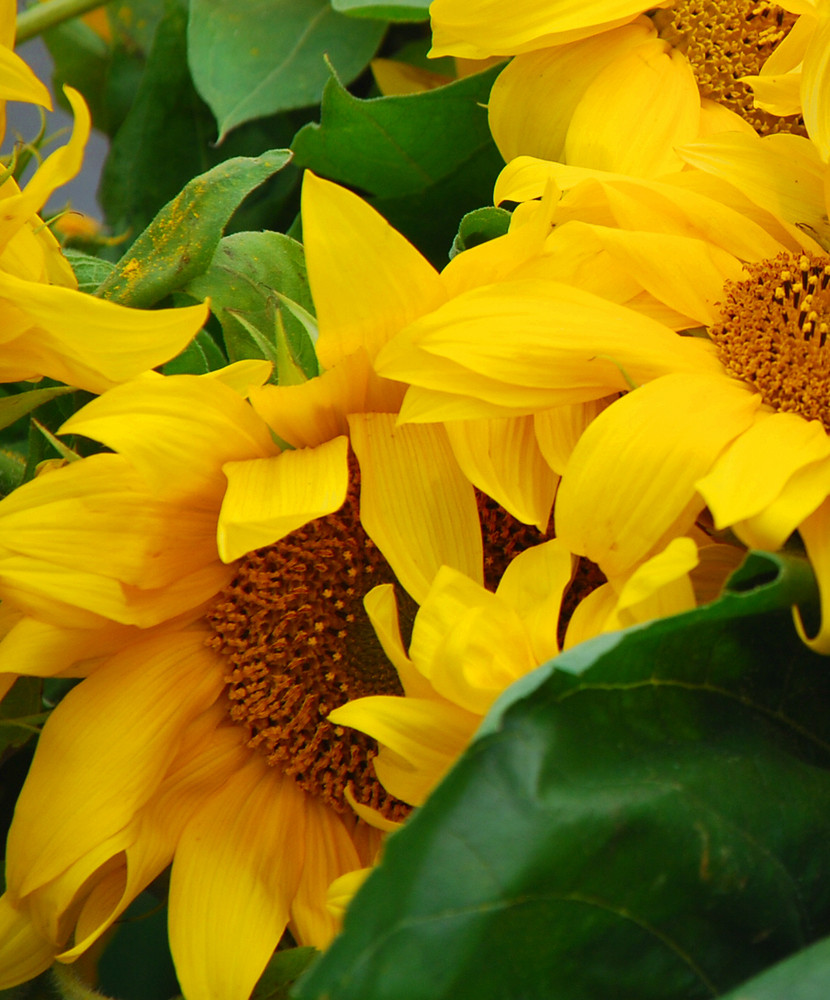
(285,967)
(179,243)
(644,818)
(250,277)
(386,10)
(254,58)
(423,159)
(804,976)
(479,226)
(14,407)
(90,271)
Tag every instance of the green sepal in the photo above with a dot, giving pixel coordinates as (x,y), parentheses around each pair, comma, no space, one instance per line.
(480,226)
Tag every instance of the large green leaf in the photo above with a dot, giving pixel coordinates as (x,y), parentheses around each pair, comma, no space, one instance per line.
(424,159)
(644,819)
(179,243)
(253,58)
(244,275)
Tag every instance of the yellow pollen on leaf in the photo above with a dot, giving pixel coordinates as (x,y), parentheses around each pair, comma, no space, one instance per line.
(725,40)
(773,333)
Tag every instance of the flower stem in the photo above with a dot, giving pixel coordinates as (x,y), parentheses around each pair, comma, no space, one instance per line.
(42,16)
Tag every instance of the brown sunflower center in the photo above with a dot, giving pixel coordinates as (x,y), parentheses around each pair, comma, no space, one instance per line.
(297,643)
(725,40)
(773,329)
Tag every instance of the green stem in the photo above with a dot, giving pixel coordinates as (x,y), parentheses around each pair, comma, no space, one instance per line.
(42,16)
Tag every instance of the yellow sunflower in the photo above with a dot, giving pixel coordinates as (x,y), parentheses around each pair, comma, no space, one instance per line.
(733,418)
(48,326)
(205,583)
(602,85)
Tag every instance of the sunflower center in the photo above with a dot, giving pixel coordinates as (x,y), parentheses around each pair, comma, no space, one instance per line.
(297,644)
(725,40)
(773,333)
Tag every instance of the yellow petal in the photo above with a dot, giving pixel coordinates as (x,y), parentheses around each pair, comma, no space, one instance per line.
(268,498)
(782,173)
(475,29)
(502,458)
(815,82)
(534,97)
(330,853)
(716,118)
(421,739)
(235,874)
(104,751)
(309,414)
(18,82)
(639,462)
(559,429)
(591,616)
(594,348)
(659,263)
(382,608)
(92,517)
(40,649)
(415,503)
(753,471)
(780,95)
(366,279)
(634,114)
(470,645)
(815,533)
(89,342)
(24,954)
(660,587)
(243,376)
(209,756)
(343,890)
(800,496)
(58,168)
(533,585)
(177,431)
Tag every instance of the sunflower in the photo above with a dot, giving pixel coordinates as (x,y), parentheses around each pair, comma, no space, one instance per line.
(732,418)
(205,583)
(49,327)
(606,87)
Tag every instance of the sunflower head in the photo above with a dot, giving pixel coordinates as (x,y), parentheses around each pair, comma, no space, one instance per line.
(726,41)
(773,329)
